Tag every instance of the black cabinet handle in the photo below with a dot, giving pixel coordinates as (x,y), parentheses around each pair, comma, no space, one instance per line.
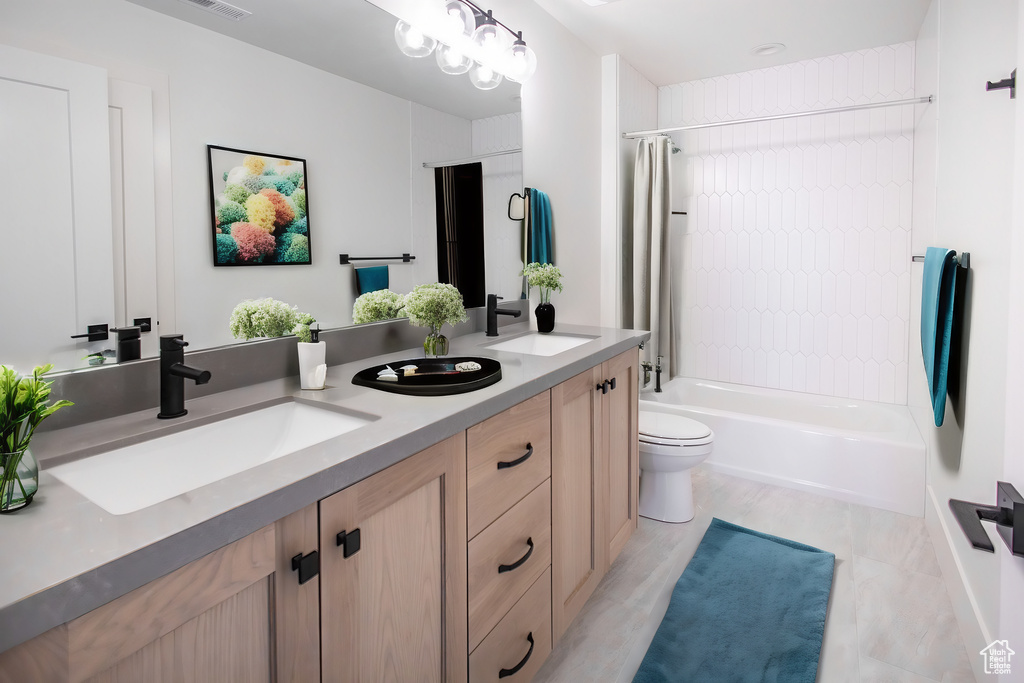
(612,382)
(518,461)
(307,566)
(502,568)
(503,673)
(350,542)
(603,386)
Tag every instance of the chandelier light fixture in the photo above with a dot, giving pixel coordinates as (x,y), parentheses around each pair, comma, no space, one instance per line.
(465,38)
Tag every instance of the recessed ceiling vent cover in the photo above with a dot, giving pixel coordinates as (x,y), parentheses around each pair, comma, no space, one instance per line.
(220,8)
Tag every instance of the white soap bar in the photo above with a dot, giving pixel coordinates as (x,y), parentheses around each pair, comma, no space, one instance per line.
(468,366)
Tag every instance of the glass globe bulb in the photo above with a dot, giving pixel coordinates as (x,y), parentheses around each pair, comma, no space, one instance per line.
(412,41)
(490,40)
(454,20)
(484,77)
(521,63)
(452,60)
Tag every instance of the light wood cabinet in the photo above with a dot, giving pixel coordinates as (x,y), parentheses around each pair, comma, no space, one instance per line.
(216,619)
(594,479)
(463,561)
(393,575)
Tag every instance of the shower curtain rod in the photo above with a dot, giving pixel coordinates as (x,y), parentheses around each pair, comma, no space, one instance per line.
(469,160)
(777,117)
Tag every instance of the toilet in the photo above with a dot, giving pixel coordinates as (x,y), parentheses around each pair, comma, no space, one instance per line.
(670,445)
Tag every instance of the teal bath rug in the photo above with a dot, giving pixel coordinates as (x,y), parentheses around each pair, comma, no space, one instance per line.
(749,607)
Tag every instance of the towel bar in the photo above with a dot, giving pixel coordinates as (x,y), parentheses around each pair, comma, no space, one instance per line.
(346,259)
(963,260)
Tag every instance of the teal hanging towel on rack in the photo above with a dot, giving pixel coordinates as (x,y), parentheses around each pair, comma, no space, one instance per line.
(539,233)
(938,304)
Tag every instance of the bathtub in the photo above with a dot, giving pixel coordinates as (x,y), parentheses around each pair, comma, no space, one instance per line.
(856,451)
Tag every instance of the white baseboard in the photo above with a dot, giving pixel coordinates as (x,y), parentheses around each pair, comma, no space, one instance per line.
(965,606)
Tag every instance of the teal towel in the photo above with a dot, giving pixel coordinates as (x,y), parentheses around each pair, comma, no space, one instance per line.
(539,236)
(749,607)
(938,301)
(371,279)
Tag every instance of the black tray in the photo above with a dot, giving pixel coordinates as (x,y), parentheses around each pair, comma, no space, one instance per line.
(434,376)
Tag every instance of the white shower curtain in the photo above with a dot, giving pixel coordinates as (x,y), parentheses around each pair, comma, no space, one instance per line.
(652,289)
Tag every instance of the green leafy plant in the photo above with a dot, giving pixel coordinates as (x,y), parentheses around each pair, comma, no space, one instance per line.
(301,328)
(263,318)
(382,304)
(432,305)
(24,403)
(545,276)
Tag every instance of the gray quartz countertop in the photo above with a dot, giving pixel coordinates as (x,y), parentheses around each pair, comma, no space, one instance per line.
(65,556)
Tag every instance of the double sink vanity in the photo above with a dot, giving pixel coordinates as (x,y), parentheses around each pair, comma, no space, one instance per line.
(338,535)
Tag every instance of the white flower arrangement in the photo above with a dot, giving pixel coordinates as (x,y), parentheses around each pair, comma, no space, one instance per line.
(545,276)
(432,305)
(263,318)
(382,304)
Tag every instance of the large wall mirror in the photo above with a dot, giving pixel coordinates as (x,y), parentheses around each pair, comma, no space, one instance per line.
(109,106)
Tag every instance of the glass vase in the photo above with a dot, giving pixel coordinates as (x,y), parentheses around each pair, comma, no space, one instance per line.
(19,480)
(435,345)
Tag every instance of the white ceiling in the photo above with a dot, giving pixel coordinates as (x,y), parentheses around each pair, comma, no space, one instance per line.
(353,39)
(672,41)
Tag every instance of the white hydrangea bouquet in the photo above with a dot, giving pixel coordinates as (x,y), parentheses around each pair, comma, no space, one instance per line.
(372,307)
(432,305)
(546,277)
(263,318)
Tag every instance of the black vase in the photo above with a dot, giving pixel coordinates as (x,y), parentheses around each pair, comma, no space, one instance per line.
(545,318)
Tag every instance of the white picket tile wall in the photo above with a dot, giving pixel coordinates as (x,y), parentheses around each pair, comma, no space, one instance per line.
(796,250)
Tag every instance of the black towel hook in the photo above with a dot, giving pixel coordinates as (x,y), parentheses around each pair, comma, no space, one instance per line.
(1007,83)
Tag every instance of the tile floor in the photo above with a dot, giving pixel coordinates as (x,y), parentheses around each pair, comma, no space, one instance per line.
(889,620)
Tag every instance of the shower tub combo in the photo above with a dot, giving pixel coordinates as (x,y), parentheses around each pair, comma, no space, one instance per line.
(857,451)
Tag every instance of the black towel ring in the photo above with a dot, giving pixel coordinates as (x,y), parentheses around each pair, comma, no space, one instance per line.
(526,193)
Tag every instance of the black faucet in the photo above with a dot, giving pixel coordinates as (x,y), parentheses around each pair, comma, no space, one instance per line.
(493,312)
(657,376)
(173,373)
(129,343)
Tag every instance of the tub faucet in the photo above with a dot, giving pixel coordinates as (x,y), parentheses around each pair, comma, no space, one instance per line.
(173,373)
(657,376)
(646,365)
(493,312)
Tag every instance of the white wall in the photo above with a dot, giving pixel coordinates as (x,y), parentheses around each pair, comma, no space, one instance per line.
(796,247)
(355,140)
(502,175)
(964,165)
(562,152)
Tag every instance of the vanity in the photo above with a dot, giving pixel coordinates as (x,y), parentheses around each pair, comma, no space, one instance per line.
(448,538)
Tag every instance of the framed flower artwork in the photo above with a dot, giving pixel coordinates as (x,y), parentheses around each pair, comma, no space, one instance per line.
(260,209)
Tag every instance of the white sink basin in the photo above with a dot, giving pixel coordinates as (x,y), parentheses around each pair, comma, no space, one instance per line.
(537,344)
(134,477)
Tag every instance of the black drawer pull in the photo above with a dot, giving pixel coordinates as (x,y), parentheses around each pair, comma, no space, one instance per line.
(612,383)
(518,461)
(502,568)
(503,673)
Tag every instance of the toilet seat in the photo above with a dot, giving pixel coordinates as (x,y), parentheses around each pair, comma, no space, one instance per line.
(667,429)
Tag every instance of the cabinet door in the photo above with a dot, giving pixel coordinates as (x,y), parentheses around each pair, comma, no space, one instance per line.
(395,608)
(237,614)
(620,449)
(578,541)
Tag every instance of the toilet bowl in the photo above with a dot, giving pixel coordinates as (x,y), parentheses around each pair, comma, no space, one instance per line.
(670,446)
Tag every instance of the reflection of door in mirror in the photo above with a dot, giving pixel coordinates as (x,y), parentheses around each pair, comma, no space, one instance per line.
(460,230)
(55,263)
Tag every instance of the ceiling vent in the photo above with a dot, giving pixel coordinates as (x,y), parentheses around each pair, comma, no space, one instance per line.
(222,9)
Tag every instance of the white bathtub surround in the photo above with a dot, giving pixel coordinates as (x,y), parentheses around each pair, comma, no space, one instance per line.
(796,249)
(653,306)
(855,451)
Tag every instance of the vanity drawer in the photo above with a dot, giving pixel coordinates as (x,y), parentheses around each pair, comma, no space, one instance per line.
(508,456)
(508,644)
(503,563)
